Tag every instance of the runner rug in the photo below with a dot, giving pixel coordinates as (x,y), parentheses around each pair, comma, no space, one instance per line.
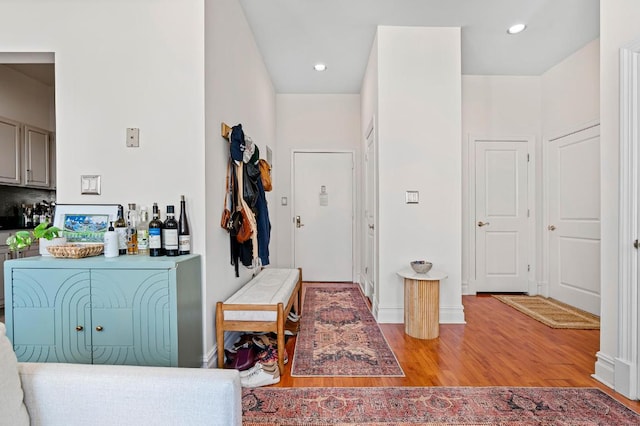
(433,406)
(551,312)
(338,336)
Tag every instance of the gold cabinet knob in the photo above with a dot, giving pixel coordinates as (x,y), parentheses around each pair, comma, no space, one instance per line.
(99,328)
(551,228)
(79,328)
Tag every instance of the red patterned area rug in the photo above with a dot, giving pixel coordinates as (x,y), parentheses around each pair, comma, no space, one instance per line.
(433,406)
(339,337)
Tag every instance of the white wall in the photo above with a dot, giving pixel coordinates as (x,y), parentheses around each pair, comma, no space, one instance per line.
(571,91)
(238,90)
(309,122)
(24,99)
(618,27)
(419,129)
(495,107)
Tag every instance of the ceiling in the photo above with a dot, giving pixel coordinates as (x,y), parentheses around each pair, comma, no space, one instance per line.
(293,35)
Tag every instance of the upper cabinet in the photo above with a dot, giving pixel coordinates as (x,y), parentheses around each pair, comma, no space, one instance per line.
(10,170)
(36,157)
(26,155)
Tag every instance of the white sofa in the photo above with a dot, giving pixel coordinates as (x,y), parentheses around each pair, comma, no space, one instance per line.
(77,394)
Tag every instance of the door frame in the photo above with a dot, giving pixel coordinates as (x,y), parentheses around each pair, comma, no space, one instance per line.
(626,364)
(531,244)
(353,200)
(371,130)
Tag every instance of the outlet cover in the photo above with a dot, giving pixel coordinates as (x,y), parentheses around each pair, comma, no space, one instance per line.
(133,137)
(412,197)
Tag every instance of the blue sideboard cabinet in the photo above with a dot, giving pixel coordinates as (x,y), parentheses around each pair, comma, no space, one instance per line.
(132,310)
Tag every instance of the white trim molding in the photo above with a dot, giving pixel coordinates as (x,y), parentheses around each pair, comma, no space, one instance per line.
(627,377)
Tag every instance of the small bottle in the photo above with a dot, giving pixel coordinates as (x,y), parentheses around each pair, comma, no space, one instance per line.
(170,233)
(132,233)
(110,242)
(120,226)
(155,233)
(143,232)
(184,236)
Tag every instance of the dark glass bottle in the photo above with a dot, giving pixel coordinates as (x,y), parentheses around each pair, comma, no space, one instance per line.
(184,236)
(155,233)
(120,226)
(170,233)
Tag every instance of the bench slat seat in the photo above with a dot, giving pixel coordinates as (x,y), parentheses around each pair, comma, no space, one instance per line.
(269,287)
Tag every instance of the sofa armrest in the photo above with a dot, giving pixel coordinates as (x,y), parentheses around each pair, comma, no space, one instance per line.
(80,394)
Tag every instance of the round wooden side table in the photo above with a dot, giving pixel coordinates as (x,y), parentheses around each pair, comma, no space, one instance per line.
(422,303)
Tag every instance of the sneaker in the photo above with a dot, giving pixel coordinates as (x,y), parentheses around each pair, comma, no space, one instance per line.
(293,317)
(268,367)
(270,355)
(260,377)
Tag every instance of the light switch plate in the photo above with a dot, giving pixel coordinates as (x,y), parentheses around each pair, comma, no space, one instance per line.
(90,184)
(412,197)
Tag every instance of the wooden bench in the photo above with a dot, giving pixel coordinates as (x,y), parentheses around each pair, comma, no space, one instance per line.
(262,304)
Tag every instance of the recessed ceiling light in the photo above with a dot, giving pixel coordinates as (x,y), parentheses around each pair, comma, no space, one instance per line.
(319,67)
(517,28)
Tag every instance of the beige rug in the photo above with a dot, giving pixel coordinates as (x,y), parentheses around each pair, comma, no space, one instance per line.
(551,312)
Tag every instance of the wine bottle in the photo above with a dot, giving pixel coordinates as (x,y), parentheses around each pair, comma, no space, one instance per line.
(132,232)
(155,233)
(143,232)
(120,226)
(170,233)
(184,236)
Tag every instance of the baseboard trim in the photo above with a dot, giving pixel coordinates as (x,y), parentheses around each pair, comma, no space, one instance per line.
(605,370)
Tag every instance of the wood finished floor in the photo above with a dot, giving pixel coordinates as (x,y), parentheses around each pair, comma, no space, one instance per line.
(498,346)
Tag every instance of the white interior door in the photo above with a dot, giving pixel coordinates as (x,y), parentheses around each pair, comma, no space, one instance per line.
(501,216)
(323,215)
(574,219)
(370,265)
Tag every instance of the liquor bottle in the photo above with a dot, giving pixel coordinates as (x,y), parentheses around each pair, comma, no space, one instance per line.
(111,242)
(143,232)
(155,233)
(132,233)
(120,226)
(184,236)
(170,233)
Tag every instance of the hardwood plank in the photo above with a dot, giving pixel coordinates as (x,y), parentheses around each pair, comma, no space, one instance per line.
(498,346)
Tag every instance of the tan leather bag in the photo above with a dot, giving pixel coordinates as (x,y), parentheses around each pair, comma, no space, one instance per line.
(265,174)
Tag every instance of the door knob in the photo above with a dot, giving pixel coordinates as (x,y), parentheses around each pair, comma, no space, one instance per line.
(481,224)
(371,226)
(551,228)
(298,223)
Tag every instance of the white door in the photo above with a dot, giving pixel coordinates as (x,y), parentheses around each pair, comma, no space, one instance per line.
(370,265)
(501,216)
(323,215)
(574,219)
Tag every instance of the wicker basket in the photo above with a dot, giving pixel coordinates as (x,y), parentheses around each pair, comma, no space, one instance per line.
(76,251)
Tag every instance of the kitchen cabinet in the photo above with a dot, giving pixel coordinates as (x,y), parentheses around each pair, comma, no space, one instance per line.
(36,157)
(133,310)
(10,147)
(26,155)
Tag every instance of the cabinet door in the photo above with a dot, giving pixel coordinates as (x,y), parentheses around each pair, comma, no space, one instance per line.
(5,254)
(10,149)
(37,161)
(130,316)
(51,315)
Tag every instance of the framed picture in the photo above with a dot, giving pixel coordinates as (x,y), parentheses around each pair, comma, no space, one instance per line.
(84,223)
